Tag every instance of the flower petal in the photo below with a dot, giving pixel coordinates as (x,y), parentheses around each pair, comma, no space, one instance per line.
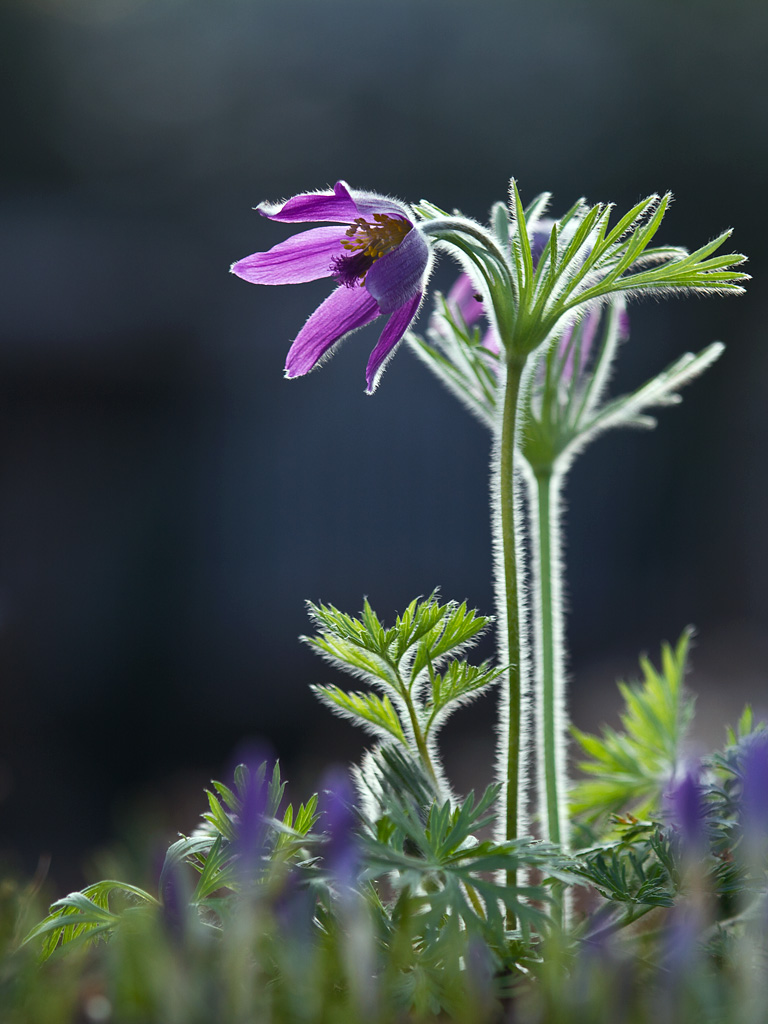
(343,311)
(588,328)
(303,257)
(394,279)
(539,239)
(337,205)
(461,300)
(369,203)
(341,205)
(491,341)
(396,327)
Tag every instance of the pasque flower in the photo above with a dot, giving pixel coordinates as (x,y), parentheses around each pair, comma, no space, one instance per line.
(374,251)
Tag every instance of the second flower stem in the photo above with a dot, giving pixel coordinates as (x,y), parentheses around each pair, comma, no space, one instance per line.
(550,670)
(508,577)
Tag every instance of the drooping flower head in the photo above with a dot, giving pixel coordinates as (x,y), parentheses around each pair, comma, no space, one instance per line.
(374,251)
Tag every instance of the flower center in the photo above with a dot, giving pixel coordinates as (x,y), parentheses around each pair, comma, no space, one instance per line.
(367,242)
(376,239)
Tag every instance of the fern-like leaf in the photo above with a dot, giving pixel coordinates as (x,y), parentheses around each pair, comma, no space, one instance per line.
(374,713)
(628,769)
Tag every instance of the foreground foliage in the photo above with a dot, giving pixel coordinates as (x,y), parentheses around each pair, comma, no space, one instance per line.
(269,913)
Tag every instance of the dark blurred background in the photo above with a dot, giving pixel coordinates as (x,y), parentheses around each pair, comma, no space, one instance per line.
(168,501)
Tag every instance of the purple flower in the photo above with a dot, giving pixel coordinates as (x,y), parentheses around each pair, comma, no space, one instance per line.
(685,806)
(341,855)
(754,800)
(375,253)
(175,895)
(251,819)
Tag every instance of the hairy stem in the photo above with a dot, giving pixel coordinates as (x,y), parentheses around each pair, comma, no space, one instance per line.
(549,671)
(511,745)
(549,680)
(418,735)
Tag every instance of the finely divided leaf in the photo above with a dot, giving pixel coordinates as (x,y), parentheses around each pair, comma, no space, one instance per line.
(374,713)
(629,768)
(458,684)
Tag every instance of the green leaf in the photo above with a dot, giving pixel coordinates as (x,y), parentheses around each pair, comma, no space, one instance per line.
(637,870)
(218,818)
(458,628)
(213,871)
(521,245)
(459,684)
(346,654)
(87,916)
(744,726)
(463,368)
(628,769)
(432,850)
(306,816)
(375,713)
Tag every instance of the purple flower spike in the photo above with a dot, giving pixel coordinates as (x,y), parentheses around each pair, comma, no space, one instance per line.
(375,252)
(686,807)
(175,896)
(341,856)
(250,824)
(754,801)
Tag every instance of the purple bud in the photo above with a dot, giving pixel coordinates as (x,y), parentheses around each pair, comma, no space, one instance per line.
(585,333)
(250,826)
(686,807)
(754,800)
(540,240)
(464,301)
(681,939)
(175,902)
(479,965)
(341,856)
(294,909)
(623,325)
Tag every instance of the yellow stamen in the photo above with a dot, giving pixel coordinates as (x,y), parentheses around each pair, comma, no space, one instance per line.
(376,240)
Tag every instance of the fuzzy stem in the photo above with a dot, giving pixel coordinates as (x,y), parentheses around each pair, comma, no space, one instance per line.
(549,682)
(544,486)
(511,741)
(546,683)
(418,735)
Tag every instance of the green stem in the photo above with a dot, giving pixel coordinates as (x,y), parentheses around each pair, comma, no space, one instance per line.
(549,682)
(418,735)
(549,776)
(511,600)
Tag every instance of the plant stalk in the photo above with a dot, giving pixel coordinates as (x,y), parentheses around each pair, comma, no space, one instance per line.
(510,603)
(418,735)
(549,669)
(549,681)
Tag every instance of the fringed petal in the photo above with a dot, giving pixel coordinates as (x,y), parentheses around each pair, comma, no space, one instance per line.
(396,327)
(342,205)
(343,311)
(304,257)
